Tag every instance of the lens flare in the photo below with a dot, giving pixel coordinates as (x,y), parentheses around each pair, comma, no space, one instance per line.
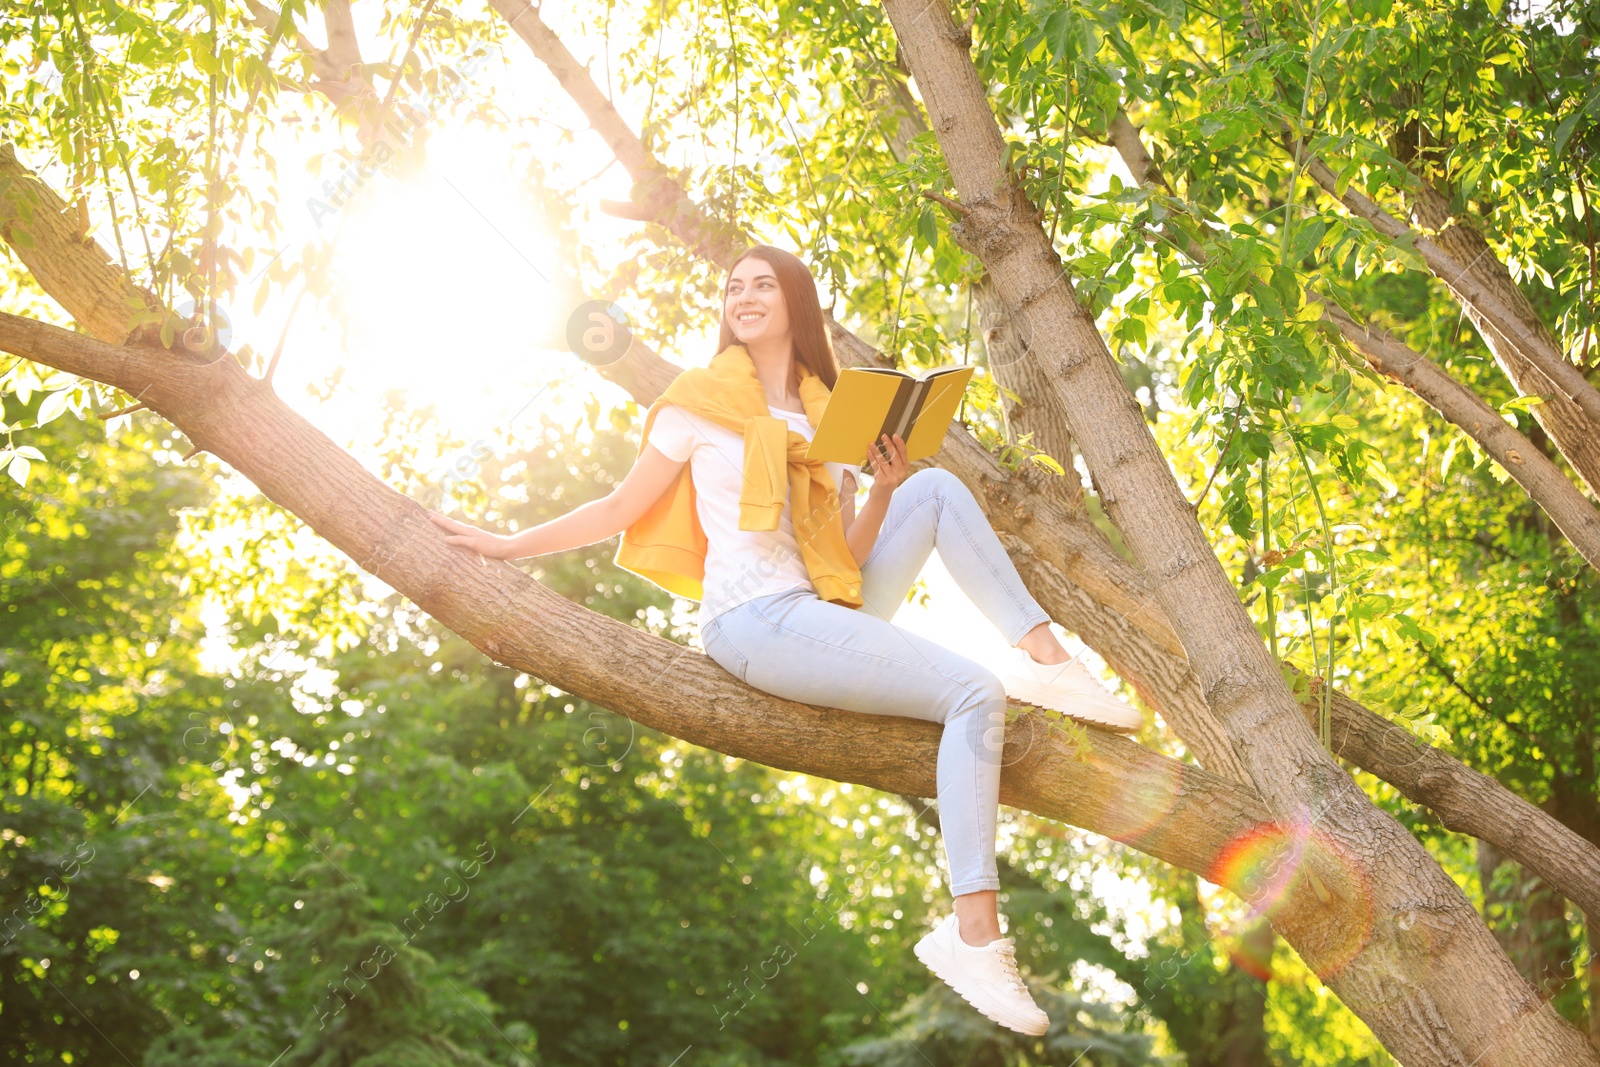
(1268,861)
(1143,800)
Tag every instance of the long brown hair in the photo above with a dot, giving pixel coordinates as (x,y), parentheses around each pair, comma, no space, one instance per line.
(808,329)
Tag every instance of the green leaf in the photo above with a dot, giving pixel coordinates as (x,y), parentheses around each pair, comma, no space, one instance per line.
(1450,456)
(1267,299)
(1381,473)
(18,469)
(1522,403)
(1061,35)
(1564,131)
(1237,513)
(52,406)
(927,229)
(1410,628)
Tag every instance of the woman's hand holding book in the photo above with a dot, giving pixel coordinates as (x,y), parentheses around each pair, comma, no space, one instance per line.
(886,459)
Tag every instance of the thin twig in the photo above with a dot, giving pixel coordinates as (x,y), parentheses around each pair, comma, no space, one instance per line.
(1218,468)
(960,209)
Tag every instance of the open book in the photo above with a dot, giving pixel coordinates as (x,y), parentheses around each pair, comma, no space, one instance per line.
(869,401)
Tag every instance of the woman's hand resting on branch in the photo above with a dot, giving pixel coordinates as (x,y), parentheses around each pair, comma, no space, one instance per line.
(887,472)
(492,545)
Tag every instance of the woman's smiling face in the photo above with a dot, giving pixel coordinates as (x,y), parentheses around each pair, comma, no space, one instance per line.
(753,303)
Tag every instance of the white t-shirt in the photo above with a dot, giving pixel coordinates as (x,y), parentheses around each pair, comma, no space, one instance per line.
(740,564)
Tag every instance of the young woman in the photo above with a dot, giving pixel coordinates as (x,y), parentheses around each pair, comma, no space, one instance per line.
(758,576)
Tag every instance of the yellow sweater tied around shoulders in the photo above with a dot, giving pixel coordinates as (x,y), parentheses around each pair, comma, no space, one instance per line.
(667,545)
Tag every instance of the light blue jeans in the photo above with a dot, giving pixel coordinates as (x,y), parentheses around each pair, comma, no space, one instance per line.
(796,645)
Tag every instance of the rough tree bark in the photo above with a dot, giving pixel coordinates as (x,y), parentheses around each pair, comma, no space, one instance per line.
(47,234)
(1075,573)
(1005,343)
(1034,413)
(1522,345)
(1177,814)
(1529,920)
(1425,973)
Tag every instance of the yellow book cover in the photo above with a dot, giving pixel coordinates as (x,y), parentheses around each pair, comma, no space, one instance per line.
(868,401)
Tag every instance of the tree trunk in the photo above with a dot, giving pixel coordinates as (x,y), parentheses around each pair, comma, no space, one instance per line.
(1380,921)
(47,234)
(1004,341)
(207,410)
(1077,575)
(1591,934)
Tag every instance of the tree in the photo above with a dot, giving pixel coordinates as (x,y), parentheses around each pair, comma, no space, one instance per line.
(1178,629)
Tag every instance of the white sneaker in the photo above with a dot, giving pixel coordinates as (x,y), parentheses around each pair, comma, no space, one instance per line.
(985,976)
(1068,688)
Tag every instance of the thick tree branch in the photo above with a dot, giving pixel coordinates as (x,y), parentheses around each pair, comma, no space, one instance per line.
(1072,569)
(1175,812)
(1568,426)
(657,194)
(328,79)
(1459,256)
(1080,593)
(1534,345)
(42,229)
(344,51)
(1543,481)
(381,549)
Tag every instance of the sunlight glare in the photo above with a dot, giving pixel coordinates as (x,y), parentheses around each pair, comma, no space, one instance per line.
(444,289)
